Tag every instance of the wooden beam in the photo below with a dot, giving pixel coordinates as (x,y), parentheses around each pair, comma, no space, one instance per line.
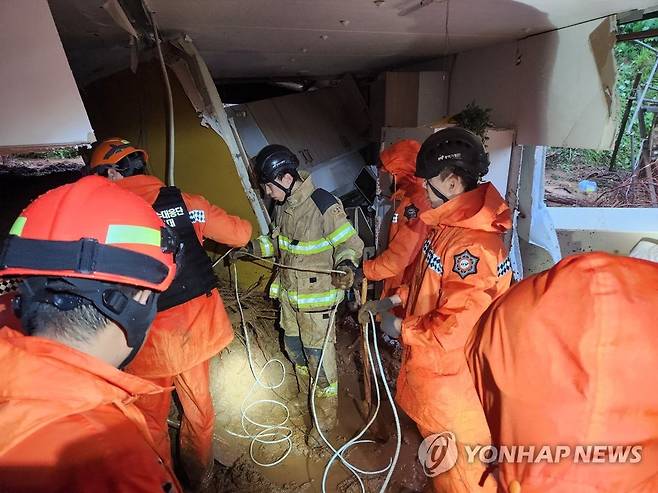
(650,33)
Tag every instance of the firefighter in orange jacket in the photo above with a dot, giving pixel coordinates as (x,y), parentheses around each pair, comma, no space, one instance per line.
(192,325)
(92,257)
(406,232)
(568,358)
(462,268)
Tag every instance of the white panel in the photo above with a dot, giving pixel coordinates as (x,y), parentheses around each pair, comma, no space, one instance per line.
(643,220)
(553,88)
(39,99)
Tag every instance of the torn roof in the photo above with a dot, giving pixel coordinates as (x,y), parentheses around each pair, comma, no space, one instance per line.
(292,38)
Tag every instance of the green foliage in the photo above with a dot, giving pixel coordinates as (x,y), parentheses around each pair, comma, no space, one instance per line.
(61,153)
(476,119)
(631,58)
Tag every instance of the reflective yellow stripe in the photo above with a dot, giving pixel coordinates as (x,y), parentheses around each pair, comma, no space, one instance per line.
(17,227)
(341,234)
(266,246)
(304,247)
(123,233)
(274,290)
(338,236)
(325,299)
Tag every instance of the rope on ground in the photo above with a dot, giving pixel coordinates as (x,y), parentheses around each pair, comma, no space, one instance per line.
(270,433)
(278,432)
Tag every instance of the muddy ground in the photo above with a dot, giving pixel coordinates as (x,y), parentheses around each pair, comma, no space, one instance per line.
(232,380)
(614,189)
(302,469)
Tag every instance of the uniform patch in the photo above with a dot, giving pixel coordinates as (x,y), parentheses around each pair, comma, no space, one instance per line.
(411,211)
(465,264)
(395,218)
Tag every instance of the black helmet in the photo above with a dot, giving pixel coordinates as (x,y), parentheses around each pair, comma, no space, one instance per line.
(274,159)
(452,146)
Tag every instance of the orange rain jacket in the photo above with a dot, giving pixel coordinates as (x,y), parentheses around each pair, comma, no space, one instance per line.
(462,268)
(189,334)
(183,338)
(406,233)
(569,357)
(69,423)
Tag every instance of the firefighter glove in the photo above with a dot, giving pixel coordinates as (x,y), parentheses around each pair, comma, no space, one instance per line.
(376,307)
(346,280)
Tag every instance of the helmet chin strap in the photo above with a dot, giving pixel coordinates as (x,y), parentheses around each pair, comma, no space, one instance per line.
(436,192)
(286,190)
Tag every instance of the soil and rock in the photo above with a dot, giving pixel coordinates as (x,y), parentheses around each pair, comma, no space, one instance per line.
(232,386)
(232,380)
(614,188)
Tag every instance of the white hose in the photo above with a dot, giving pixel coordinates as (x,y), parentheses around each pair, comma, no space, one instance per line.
(356,440)
(270,433)
(221,258)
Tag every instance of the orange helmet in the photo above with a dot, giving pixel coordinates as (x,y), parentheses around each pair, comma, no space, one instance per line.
(80,243)
(91,229)
(119,153)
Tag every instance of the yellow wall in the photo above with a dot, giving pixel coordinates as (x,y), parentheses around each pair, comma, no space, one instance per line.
(131,106)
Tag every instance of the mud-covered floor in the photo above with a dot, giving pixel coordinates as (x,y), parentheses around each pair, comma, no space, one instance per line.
(302,470)
(232,380)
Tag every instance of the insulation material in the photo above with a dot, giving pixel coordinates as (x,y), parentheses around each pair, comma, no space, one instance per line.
(556,88)
(41,106)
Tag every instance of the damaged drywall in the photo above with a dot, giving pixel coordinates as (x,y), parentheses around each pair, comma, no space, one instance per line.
(39,99)
(556,88)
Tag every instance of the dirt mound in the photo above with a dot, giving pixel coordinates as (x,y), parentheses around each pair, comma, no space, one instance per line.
(232,387)
(614,188)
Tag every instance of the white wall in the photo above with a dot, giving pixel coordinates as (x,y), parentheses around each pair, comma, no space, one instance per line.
(584,229)
(39,100)
(554,88)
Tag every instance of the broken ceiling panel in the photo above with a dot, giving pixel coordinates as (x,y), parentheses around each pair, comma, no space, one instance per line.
(292,38)
(41,106)
(556,88)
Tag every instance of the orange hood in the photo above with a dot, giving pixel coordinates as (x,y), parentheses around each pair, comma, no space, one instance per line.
(146,186)
(482,209)
(43,381)
(399,159)
(568,357)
